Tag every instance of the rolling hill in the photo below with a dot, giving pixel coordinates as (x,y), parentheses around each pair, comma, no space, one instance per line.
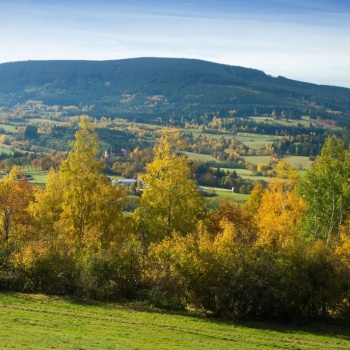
(145,89)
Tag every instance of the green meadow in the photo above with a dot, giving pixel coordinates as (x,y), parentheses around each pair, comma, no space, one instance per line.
(299,162)
(6,149)
(257,159)
(304,121)
(201,157)
(8,127)
(39,177)
(41,322)
(227,194)
(217,135)
(256,141)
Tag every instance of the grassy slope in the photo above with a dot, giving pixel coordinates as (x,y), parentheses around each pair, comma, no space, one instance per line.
(40,322)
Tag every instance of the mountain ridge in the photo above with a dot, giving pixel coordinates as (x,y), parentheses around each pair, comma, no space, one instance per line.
(184,87)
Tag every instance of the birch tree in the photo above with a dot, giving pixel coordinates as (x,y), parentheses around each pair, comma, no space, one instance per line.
(171,201)
(326,189)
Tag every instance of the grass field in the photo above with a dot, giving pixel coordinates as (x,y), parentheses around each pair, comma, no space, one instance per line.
(201,157)
(255,141)
(218,135)
(39,177)
(304,121)
(299,162)
(41,322)
(225,193)
(257,159)
(5,149)
(8,127)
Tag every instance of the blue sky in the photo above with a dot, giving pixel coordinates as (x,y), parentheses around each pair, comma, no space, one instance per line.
(303,40)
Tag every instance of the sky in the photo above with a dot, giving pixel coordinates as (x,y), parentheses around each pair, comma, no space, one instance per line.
(305,40)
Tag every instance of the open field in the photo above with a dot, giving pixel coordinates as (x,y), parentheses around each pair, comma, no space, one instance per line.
(41,322)
(8,127)
(256,141)
(49,121)
(38,175)
(257,159)
(304,121)
(225,193)
(201,157)
(299,162)
(10,149)
(5,149)
(217,135)
(248,174)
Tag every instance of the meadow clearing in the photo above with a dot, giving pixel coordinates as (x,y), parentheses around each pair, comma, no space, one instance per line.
(35,321)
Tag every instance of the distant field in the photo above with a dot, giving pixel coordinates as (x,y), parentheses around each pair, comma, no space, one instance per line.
(257,159)
(222,192)
(304,121)
(256,141)
(5,149)
(44,120)
(10,149)
(197,133)
(8,127)
(39,177)
(41,322)
(201,157)
(299,162)
(248,174)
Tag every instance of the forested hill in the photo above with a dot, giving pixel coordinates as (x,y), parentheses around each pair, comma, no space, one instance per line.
(153,88)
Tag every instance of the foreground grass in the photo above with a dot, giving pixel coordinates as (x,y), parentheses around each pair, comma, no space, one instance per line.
(41,322)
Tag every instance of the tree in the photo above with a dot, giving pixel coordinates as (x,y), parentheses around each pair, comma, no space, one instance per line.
(79,201)
(171,201)
(31,132)
(326,189)
(280,210)
(15,195)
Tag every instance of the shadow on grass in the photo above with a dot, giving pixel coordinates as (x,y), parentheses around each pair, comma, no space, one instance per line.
(331,328)
(328,328)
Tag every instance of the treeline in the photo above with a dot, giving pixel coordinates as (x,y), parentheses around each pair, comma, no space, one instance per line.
(284,255)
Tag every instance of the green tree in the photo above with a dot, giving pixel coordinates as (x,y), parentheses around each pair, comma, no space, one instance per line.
(326,189)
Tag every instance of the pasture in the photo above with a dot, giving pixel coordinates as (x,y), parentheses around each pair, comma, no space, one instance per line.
(257,159)
(8,127)
(201,157)
(256,141)
(214,135)
(299,162)
(42,322)
(224,193)
(39,177)
(6,149)
(304,121)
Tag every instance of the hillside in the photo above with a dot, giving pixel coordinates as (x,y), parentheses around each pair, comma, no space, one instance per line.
(146,89)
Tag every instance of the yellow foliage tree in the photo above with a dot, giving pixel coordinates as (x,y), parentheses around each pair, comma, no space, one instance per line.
(280,210)
(171,201)
(15,195)
(79,203)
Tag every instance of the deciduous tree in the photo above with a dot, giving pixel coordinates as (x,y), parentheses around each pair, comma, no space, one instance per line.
(171,201)
(326,189)
(15,195)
